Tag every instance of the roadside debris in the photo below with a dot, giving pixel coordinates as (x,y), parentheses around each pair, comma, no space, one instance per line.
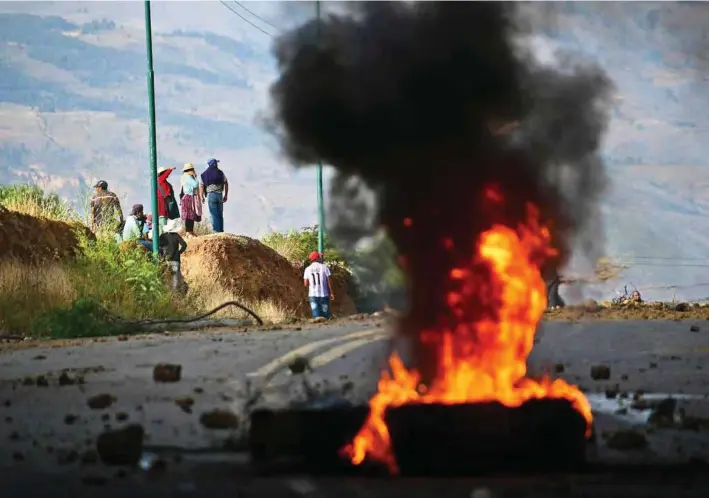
(694,328)
(100,401)
(627,440)
(600,372)
(300,365)
(219,419)
(167,372)
(185,403)
(122,446)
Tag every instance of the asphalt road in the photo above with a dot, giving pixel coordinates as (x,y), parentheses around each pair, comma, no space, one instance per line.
(48,430)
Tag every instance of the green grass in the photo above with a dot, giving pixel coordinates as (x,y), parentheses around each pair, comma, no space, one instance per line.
(79,297)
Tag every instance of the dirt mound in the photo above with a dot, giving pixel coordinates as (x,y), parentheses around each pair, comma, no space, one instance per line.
(34,240)
(240,266)
(343,304)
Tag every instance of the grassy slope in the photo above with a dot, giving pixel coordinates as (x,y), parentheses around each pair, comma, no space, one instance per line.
(74,110)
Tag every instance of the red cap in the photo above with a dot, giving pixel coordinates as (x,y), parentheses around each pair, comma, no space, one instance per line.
(314,256)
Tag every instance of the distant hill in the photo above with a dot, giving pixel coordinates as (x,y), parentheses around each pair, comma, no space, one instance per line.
(73,107)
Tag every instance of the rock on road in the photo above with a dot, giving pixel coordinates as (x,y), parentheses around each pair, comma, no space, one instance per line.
(49,429)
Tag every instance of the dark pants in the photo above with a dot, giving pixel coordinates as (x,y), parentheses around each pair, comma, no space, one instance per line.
(320,306)
(148,244)
(553,297)
(189,226)
(215,202)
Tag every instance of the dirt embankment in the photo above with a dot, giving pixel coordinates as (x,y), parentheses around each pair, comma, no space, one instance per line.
(233,265)
(36,240)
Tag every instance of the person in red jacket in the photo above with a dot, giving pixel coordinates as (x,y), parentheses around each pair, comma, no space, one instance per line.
(167,205)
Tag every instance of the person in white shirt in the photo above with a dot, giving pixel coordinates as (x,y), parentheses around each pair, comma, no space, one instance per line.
(317,279)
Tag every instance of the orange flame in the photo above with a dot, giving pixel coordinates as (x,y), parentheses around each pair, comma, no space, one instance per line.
(480,361)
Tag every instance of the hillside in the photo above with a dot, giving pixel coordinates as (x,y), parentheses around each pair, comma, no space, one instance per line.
(73,109)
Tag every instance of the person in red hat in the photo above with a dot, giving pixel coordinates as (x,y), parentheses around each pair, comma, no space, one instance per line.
(317,279)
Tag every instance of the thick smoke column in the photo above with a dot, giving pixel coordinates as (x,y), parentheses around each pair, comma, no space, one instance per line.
(410,98)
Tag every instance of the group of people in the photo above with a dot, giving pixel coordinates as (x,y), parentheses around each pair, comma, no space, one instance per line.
(211,187)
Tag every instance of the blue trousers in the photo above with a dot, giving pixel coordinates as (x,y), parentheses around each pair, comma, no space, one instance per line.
(215,201)
(320,306)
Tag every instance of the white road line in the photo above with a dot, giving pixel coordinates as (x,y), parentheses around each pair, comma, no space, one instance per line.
(337,352)
(282,361)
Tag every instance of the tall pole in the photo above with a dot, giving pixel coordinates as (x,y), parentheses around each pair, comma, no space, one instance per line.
(151,129)
(321,207)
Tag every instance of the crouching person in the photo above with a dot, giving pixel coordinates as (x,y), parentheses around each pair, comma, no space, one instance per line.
(172,245)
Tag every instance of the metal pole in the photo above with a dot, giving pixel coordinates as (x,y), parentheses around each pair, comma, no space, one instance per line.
(321,207)
(151,129)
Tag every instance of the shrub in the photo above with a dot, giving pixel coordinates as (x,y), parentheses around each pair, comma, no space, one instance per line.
(296,245)
(32,200)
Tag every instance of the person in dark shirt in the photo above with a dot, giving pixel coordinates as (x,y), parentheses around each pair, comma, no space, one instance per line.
(105,208)
(172,245)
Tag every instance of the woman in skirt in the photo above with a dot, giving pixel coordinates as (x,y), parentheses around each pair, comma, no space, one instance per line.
(190,201)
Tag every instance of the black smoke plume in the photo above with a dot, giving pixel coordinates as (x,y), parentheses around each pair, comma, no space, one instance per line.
(410,99)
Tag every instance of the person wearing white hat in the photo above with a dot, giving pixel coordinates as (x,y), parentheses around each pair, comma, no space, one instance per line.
(172,245)
(190,200)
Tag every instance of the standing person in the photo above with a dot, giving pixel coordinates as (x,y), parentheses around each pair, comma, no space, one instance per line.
(215,189)
(172,245)
(317,279)
(134,228)
(105,208)
(167,205)
(190,199)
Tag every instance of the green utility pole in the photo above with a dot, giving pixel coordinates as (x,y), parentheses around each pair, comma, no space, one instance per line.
(151,128)
(321,207)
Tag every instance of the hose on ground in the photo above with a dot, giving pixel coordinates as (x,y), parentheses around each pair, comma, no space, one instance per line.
(143,323)
(203,316)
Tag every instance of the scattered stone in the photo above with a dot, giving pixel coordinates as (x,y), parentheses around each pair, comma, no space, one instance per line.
(624,377)
(559,368)
(70,419)
(101,401)
(613,392)
(7,403)
(42,381)
(18,457)
(122,446)
(600,372)
(694,328)
(627,440)
(198,390)
(663,414)
(347,387)
(121,416)
(28,381)
(652,365)
(219,419)
(40,357)
(167,372)
(185,403)
(105,417)
(299,365)
(14,436)
(66,380)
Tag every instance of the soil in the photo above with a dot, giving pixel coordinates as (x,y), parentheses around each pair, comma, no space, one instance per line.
(36,240)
